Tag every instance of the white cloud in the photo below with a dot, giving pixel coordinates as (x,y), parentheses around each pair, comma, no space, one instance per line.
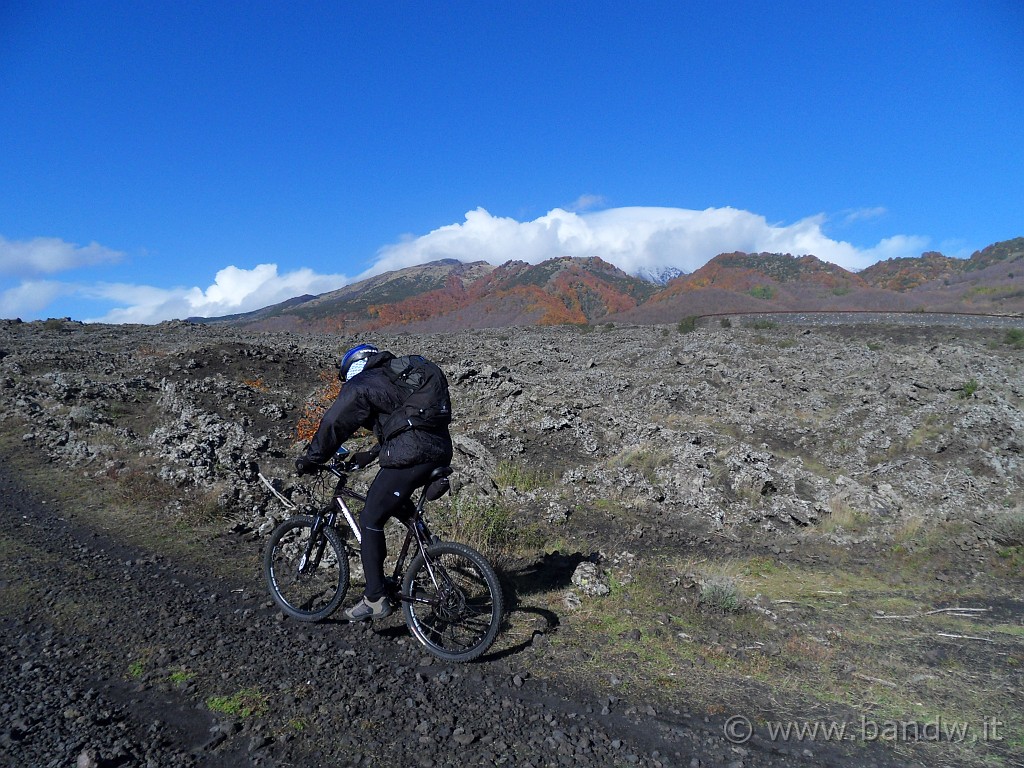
(634,239)
(897,246)
(49,255)
(31,297)
(864,214)
(587,202)
(233,291)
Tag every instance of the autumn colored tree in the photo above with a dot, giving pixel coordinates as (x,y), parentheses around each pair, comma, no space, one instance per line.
(434,303)
(318,402)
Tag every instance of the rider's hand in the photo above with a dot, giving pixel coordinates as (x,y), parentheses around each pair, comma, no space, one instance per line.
(303,466)
(361,459)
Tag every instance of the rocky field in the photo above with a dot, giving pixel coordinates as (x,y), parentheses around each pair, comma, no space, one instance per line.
(748,522)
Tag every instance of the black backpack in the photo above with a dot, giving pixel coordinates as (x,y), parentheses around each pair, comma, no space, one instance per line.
(427,404)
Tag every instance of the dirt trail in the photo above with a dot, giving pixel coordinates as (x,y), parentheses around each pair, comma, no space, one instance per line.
(117,656)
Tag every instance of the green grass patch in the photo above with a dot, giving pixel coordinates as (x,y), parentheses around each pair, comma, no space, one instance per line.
(760,566)
(844,517)
(523,478)
(926,433)
(984,290)
(244,703)
(181,676)
(1012,558)
(489,525)
(646,461)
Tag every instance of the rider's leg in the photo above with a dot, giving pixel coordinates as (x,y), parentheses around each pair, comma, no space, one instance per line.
(387,496)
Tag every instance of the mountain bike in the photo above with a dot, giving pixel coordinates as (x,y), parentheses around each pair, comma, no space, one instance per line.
(450,596)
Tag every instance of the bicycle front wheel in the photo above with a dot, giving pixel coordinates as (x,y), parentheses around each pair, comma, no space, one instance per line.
(308,580)
(453,605)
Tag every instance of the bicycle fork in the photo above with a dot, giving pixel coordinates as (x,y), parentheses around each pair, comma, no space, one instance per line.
(318,542)
(310,560)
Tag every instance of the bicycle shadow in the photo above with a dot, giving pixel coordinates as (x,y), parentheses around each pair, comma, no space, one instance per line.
(550,573)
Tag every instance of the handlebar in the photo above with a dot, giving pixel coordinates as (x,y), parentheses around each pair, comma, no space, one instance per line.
(336,467)
(339,468)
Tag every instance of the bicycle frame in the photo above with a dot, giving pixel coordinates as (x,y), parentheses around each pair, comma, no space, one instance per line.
(416,530)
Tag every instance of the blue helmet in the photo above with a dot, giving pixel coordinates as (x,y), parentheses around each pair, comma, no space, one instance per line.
(353,361)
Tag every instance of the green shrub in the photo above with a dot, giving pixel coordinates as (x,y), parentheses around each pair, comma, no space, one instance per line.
(720,593)
(969,388)
(1015,338)
(725,322)
(1008,528)
(765,292)
(687,324)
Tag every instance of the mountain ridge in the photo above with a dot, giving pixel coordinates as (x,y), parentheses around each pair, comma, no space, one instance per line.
(448,294)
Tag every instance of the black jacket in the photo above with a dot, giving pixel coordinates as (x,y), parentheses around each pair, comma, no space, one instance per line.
(365,401)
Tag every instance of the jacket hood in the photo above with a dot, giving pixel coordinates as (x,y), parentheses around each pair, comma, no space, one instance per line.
(377,360)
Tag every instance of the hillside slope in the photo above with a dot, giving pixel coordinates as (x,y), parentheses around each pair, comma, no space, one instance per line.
(449,295)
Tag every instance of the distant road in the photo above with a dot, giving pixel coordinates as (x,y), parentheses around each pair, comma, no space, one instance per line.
(925,319)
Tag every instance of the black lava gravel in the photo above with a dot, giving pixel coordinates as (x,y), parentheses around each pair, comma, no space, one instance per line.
(118,657)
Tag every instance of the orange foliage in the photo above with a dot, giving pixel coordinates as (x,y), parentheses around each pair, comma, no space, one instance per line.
(423,307)
(317,403)
(573,293)
(577,291)
(333,324)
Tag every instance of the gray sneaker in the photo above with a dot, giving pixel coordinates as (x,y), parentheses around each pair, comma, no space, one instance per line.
(366,609)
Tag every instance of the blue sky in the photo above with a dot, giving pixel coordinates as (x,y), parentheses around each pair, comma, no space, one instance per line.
(162,160)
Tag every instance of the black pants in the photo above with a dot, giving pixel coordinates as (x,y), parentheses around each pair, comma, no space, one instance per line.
(388,497)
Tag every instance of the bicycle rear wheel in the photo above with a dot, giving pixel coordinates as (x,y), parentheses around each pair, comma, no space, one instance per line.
(458,617)
(310,590)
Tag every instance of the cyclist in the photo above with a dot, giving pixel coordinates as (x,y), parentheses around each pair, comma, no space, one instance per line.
(367,397)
